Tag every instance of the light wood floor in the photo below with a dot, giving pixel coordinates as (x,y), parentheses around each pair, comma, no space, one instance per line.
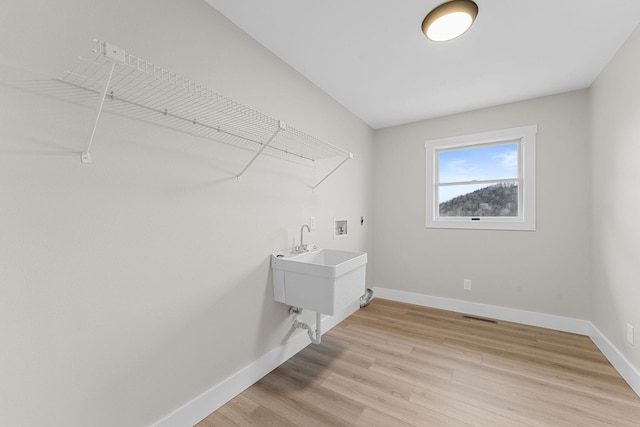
(394,364)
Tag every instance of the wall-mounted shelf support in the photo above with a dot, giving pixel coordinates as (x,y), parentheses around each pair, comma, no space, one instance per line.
(349,157)
(114,54)
(86,155)
(281,127)
(134,87)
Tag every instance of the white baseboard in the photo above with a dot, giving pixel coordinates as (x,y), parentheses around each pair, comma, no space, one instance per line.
(626,370)
(197,409)
(559,323)
(549,321)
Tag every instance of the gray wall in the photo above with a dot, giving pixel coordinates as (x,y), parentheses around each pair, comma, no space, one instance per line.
(543,271)
(131,285)
(615,199)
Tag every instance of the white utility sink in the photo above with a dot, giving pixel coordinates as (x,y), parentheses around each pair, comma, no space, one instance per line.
(322,280)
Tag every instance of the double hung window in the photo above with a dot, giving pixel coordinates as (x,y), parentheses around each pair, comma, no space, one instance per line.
(482,181)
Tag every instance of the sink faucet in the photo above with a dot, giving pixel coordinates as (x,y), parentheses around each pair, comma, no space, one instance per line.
(302,247)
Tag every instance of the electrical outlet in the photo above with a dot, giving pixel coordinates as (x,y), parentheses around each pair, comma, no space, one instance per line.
(630,333)
(312,222)
(467,284)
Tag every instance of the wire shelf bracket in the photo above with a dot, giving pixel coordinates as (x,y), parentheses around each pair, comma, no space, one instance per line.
(281,127)
(124,83)
(349,157)
(114,54)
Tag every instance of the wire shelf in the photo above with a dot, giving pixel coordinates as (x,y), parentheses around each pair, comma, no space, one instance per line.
(126,84)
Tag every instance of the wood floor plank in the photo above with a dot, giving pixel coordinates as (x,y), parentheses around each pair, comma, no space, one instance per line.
(561,376)
(466,410)
(388,385)
(278,397)
(393,406)
(373,418)
(396,364)
(238,410)
(217,419)
(542,402)
(312,395)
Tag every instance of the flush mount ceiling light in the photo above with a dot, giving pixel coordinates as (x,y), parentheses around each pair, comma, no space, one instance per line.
(449,20)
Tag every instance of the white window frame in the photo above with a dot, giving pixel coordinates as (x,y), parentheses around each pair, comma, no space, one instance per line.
(525,136)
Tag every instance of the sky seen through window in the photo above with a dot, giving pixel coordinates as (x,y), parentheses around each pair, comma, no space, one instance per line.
(492,162)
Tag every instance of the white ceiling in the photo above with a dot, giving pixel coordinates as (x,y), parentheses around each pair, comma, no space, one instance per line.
(371,56)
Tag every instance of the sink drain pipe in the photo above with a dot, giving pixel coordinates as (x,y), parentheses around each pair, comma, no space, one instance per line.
(364,301)
(302,325)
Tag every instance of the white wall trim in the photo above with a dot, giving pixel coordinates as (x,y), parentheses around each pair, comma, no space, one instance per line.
(630,374)
(197,409)
(549,321)
(559,323)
